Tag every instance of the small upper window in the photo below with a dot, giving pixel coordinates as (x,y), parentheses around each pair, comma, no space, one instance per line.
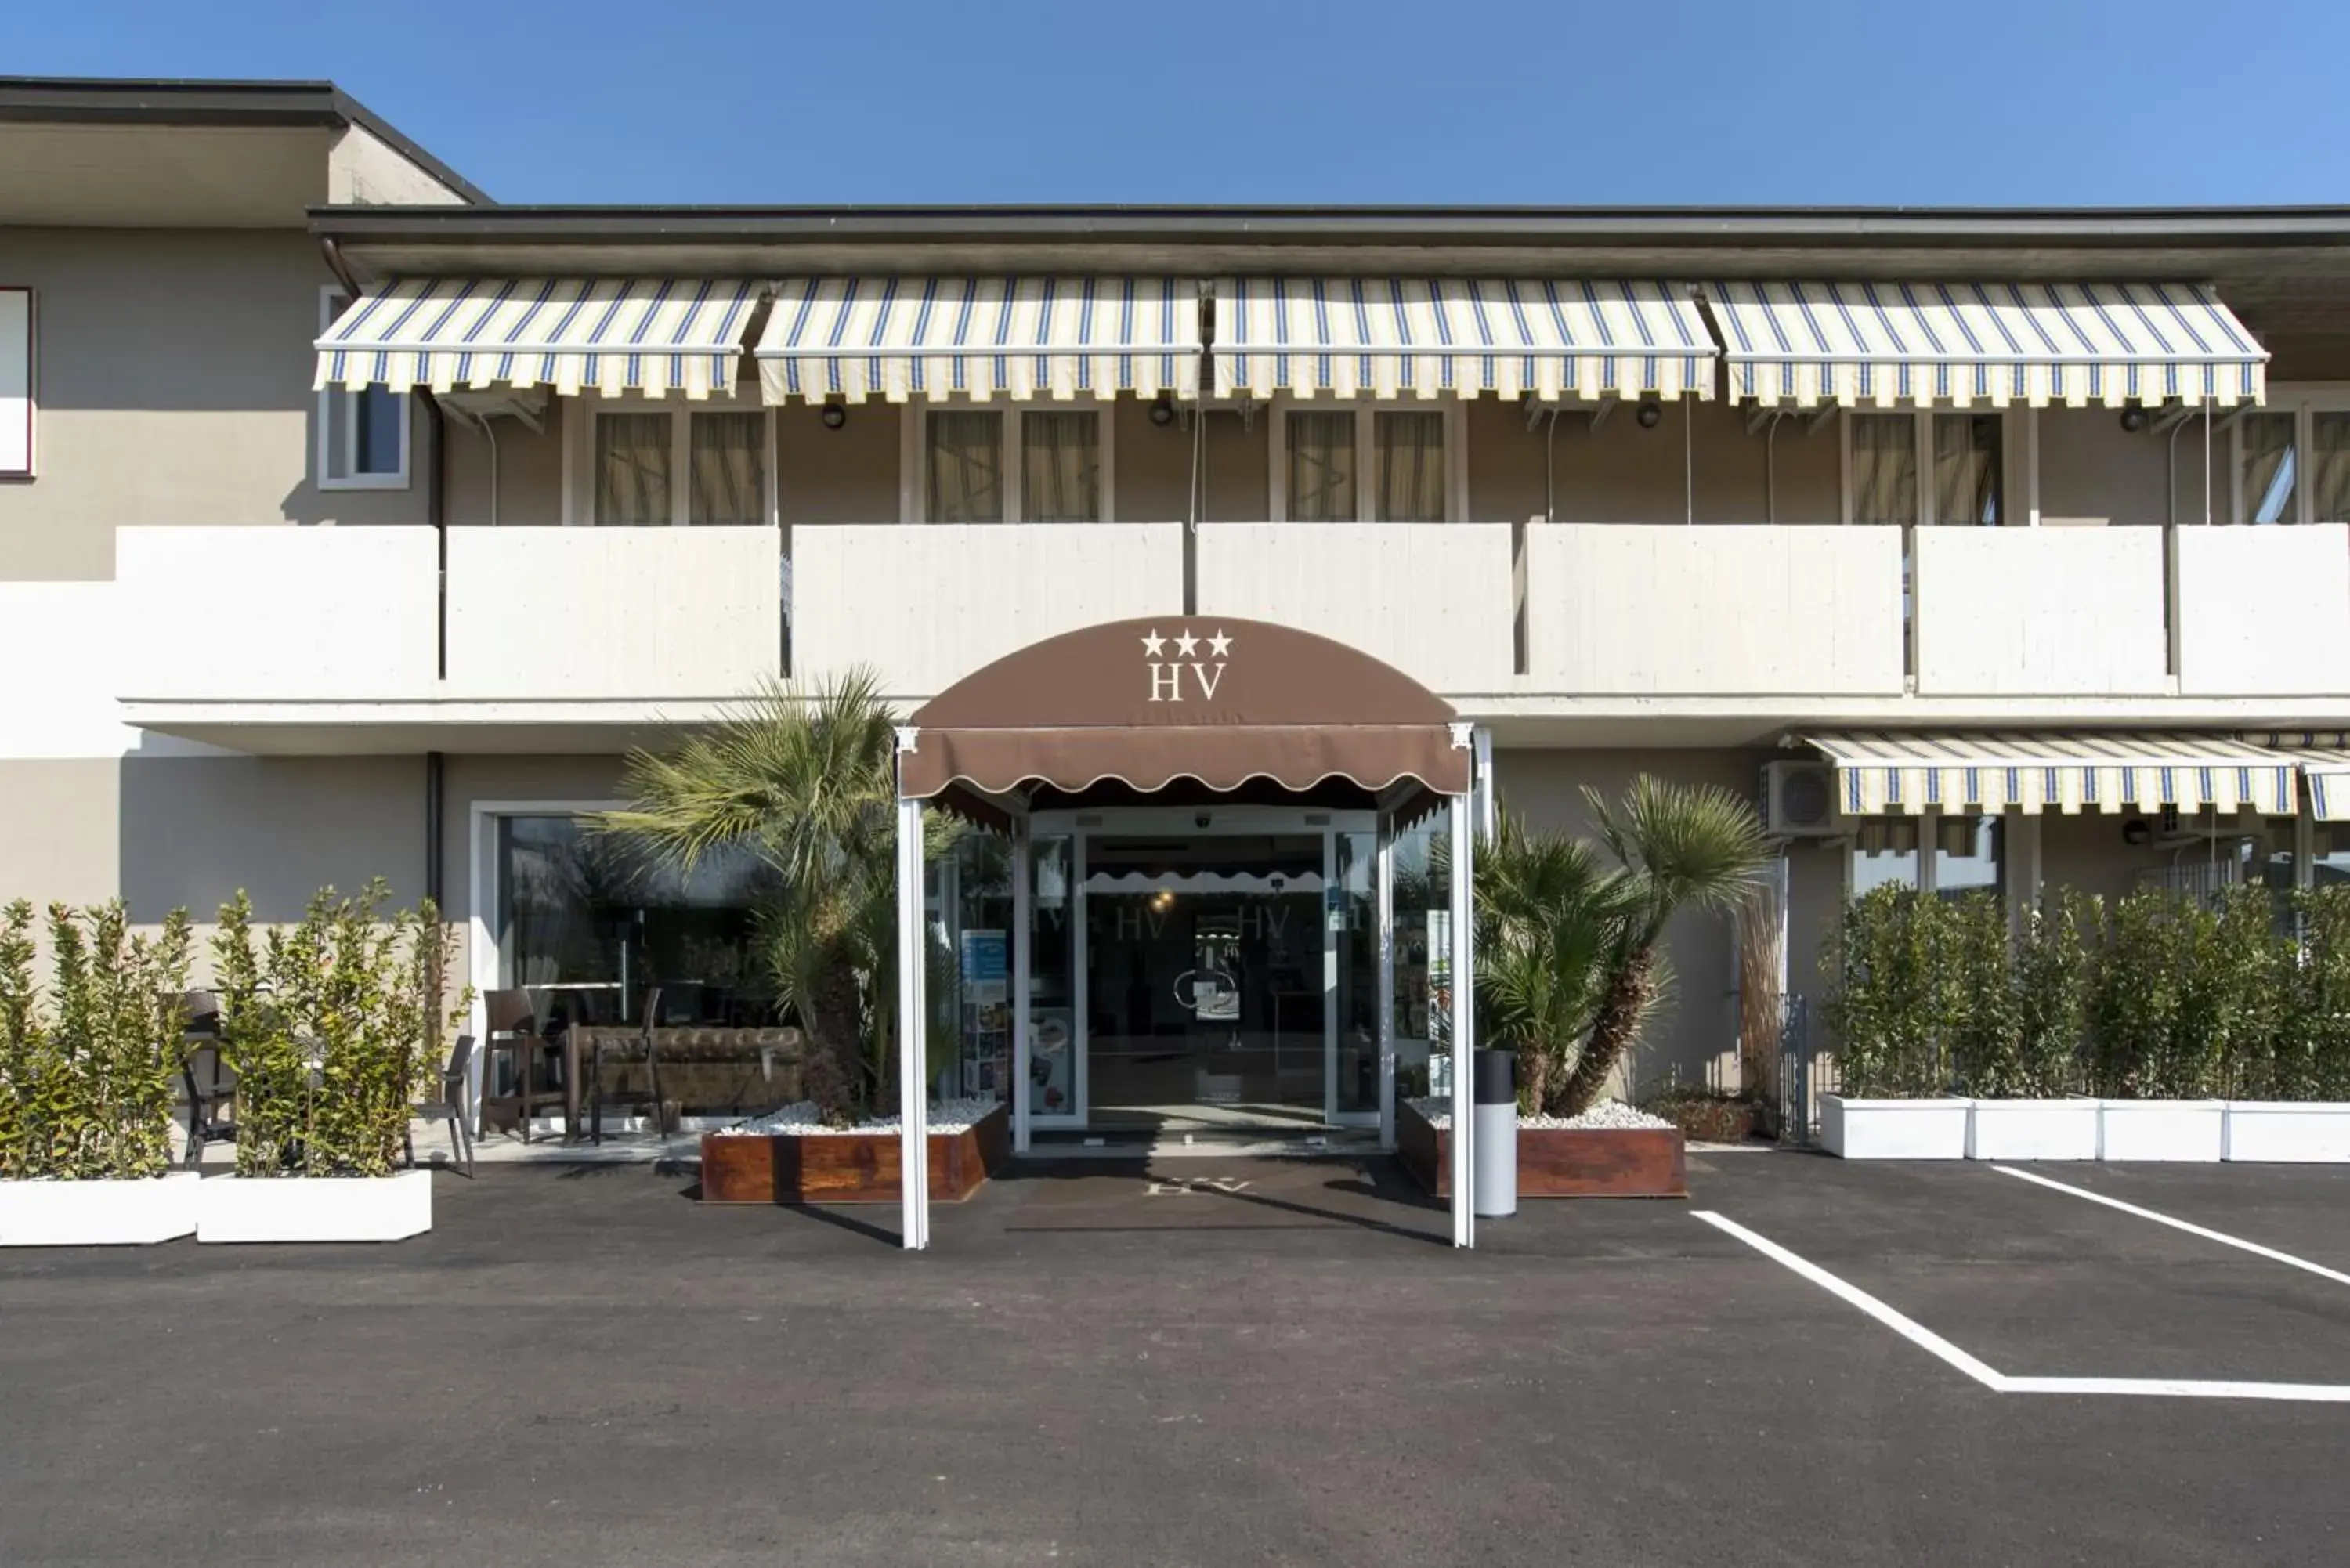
(363,434)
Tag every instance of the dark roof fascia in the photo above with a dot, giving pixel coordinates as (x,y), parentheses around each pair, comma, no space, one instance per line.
(1663,227)
(99,101)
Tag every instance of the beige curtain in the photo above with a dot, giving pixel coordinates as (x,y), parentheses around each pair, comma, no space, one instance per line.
(1884,468)
(2271,469)
(965,466)
(1322,466)
(1060,467)
(2329,467)
(1409,449)
(1966,469)
(726,473)
(632,469)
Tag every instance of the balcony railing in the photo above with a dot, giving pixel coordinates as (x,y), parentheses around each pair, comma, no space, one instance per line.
(1564,612)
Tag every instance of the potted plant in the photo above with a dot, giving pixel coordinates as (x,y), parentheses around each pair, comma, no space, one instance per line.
(1889,1007)
(332,1027)
(1568,972)
(806,781)
(88,1068)
(2296,1081)
(2016,1028)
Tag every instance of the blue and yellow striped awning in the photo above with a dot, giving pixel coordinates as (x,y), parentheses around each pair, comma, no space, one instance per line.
(1909,344)
(1457,337)
(851,338)
(1909,771)
(2324,758)
(651,336)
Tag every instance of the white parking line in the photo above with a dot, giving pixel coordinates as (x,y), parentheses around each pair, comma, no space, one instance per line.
(2206,1232)
(2000,1382)
(1915,1333)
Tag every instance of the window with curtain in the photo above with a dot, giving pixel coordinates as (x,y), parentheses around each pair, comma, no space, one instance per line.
(632,479)
(1884,468)
(1409,451)
(1967,469)
(1321,466)
(1060,467)
(2268,468)
(2329,467)
(726,468)
(964,460)
(1883,851)
(1966,856)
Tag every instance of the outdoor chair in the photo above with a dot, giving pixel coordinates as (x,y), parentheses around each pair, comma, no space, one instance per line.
(210,1087)
(453,1105)
(621,1048)
(513,1029)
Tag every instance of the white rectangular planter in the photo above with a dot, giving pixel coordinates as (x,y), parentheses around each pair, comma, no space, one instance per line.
(133,1212)
(2032,1129)
(1893,1129)
(2301,1132)
(316,1207)
(2161,1129)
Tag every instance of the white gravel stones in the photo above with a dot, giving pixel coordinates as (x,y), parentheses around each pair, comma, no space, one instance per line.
(1606,1114)
(799,1120)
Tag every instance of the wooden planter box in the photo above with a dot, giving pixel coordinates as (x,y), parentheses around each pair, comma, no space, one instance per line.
(1560,1162)
(848,1167)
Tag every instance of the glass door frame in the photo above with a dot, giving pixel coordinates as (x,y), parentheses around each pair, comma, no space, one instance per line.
(1205,822)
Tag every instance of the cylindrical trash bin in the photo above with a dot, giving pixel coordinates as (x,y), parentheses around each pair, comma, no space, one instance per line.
(1493,1156)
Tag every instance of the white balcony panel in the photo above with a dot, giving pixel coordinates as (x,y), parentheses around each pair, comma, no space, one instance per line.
(1675,611)
(277,613)
(2264,612)
(613,613)
(2040,612)
(1434,599)
(924,604)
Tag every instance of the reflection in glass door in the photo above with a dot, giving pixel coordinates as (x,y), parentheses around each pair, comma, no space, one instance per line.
(1206,995)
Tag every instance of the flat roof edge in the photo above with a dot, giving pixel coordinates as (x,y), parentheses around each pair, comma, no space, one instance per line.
(99,100)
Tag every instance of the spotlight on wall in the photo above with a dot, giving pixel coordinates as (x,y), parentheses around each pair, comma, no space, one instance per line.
(1162,411)
(2134,419)
(1650,412)
(2137,831)
(834,416)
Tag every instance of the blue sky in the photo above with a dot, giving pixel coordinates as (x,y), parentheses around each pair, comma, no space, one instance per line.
(1985,102)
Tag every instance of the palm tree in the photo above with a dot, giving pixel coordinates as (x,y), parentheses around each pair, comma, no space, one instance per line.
(806,781)
(1679,848)
(1548,913)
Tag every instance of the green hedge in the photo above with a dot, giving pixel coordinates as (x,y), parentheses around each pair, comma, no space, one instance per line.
(2153,996)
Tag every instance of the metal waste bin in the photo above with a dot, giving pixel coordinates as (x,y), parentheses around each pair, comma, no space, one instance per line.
(1494,1153)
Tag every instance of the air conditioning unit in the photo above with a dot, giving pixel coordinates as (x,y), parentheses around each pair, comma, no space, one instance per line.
(1799,800)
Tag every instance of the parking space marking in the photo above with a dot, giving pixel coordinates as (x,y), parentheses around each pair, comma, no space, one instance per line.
(2000,1382)
(1915,1333)
(2206,1232)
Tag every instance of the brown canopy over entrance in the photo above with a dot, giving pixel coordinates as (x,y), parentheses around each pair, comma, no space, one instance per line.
(1147,702)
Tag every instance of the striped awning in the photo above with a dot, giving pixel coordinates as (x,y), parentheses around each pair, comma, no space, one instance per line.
(1894,344)
(1881,772)
(899,337)
(646,335)
(1448,336)
(2324,758)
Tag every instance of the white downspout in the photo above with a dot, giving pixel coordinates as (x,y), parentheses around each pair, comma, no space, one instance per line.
(913,1024)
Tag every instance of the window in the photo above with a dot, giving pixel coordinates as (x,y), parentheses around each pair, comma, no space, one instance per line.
(2291,461)
(362,435)
(1967,854)
(17,393)
(654,467)
(984,466)
(1967,457)
(1366,464)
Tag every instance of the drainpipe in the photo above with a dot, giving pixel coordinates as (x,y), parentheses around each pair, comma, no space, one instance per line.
(434,771)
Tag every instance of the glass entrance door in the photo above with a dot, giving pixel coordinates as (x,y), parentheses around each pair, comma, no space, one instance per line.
(1207,1002)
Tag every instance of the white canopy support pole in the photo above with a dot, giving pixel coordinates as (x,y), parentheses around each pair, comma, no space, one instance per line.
(913,1026)
(1463,974)
(1385,871)
(1024,877)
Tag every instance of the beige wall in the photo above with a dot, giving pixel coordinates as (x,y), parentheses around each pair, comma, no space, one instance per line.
(847,475)
(529,468)
(175,387)
(2090,468)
